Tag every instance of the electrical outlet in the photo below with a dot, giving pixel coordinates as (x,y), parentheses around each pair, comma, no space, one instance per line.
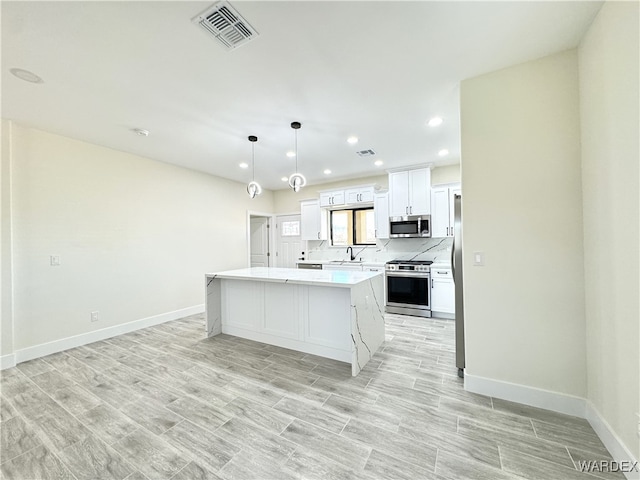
(94,316)
(54,260)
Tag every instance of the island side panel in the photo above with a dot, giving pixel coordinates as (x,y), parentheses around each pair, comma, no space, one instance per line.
(367,321)
(213,305)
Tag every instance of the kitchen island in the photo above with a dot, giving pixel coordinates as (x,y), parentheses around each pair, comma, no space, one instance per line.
(334,314)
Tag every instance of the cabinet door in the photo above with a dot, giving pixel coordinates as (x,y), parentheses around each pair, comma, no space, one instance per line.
(366,194)
(381,212)
(312,221)
(440,215)
(419,191)
(325,199)
(398,194)
(338,198)
(329,199)
(352,195)
(442,295)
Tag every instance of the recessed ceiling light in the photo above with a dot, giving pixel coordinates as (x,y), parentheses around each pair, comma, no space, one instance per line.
(377,163)
(434,122)
(443,152)
(244,165)
(327,171)
(26,75)
(352,140)
(285,179)
(291,154)
(141,132)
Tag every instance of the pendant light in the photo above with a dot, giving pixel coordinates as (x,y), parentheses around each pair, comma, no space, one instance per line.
(253,188)
(297,180)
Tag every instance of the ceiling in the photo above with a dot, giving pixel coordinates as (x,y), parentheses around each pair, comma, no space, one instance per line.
(374,69)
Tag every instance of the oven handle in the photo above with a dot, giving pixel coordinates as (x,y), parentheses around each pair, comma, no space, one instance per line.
(391,273)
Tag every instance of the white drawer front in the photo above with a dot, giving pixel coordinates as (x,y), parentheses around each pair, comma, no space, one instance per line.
(441,273)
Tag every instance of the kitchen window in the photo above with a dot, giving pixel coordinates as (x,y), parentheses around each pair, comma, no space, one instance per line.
(352,227)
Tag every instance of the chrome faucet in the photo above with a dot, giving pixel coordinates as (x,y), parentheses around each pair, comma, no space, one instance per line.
(350,249)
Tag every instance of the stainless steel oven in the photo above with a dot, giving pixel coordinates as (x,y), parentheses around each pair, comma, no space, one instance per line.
(409,287)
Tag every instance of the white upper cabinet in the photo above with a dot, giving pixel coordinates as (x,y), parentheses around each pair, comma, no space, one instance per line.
(313,220)
(359,195)
(442,209)
(381,212)
(410,192)
(331,198)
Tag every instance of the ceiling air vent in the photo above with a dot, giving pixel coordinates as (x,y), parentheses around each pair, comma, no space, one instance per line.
(366,153)
(226,25)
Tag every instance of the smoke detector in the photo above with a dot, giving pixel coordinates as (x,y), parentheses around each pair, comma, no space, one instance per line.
(225,25)
(366,153)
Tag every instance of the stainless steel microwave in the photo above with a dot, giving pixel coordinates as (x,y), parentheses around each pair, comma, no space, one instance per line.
(413,226)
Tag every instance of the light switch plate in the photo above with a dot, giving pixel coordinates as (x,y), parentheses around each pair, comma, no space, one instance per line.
(478,259)
(54,260)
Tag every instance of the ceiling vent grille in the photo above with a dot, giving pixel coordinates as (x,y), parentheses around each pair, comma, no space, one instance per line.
(226,25)
(366,153)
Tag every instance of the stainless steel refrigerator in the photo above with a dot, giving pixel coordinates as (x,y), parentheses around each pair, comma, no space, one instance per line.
(456,265)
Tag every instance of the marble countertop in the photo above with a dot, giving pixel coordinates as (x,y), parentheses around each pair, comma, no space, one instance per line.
(332,278)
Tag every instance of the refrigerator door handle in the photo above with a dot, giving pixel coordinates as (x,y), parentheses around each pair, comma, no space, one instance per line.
(453,259)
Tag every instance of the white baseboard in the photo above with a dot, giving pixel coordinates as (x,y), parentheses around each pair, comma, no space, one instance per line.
(534,397)
(557,402)
(7,361)
(56,346)
(616,447)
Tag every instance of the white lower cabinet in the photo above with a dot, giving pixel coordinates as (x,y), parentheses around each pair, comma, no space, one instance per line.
(443,293)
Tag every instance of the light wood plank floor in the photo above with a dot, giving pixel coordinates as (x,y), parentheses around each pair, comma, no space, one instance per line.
(167,403)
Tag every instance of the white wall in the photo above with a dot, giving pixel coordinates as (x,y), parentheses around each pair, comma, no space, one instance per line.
(522,207)
(6,304)
(135,236)
(445,174)
(608,58)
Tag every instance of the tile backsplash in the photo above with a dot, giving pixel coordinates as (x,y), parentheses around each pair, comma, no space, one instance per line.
(435,249)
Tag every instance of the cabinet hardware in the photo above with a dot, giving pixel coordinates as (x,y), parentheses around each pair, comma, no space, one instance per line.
(318,235)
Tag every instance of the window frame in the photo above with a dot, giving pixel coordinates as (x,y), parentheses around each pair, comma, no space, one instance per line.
(354,235)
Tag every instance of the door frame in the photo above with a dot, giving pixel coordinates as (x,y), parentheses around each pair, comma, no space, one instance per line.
(271,217)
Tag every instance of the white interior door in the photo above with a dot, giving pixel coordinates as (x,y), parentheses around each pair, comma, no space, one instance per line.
(259,241)
(289,243)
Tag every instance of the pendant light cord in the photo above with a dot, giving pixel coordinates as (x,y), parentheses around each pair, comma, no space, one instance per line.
(296,132)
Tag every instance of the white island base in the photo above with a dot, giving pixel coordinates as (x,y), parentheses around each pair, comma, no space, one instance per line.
(333,314)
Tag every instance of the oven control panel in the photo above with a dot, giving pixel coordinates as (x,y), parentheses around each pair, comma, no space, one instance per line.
(399,267)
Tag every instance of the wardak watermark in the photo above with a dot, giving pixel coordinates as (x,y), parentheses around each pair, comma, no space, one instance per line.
(591,466)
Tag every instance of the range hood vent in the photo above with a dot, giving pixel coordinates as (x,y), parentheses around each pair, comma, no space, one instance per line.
(366,153)
(224,23)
